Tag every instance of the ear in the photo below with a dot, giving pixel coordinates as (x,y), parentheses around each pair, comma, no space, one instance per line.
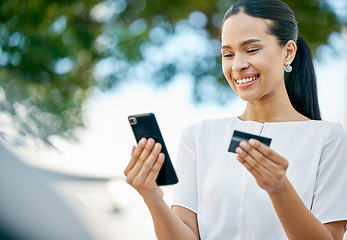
(290,51)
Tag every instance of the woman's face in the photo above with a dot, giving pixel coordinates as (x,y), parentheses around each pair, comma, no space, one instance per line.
(252,60)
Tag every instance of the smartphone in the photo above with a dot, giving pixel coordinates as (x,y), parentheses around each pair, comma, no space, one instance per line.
(145,125)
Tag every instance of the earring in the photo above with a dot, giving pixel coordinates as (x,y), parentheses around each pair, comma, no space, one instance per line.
(288,68)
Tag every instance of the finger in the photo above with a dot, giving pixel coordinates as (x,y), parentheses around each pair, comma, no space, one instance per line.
(267,152)
(251,164)
(153,174)
(256,174)
(143,157)
(149,163)
(132,150)
(147,150)
(258,157)
(135,155)
(132,161)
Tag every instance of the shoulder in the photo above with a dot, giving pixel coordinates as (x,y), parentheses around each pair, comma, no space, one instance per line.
(324,128)
(333,131)
(334,142)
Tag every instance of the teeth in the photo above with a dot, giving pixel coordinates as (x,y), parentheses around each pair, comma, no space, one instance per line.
(246,80)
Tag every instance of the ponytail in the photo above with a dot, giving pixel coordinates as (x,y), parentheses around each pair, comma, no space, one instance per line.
(301,83)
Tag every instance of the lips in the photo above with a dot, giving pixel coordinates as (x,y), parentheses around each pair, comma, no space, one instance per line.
(246,79)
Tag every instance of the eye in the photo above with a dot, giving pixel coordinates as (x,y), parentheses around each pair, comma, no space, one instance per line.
(228,55)
(252,50)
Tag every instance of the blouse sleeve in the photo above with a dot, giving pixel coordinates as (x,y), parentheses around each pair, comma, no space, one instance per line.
(330,196)
(185,191)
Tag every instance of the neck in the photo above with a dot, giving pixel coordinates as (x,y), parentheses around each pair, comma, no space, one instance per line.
(272,110)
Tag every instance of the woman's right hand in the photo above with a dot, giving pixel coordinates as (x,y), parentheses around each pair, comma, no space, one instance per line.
(143,169)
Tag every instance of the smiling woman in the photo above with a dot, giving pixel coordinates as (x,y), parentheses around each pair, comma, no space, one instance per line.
(284,31)
(293,188)
(251,55)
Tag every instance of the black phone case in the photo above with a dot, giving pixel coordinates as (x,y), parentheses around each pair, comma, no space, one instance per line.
(146,125)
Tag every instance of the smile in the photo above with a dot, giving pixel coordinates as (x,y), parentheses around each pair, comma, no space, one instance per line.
(246,80)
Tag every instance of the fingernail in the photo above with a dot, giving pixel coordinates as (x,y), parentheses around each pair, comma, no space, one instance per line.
(251,141)
(239,150)
(243,144)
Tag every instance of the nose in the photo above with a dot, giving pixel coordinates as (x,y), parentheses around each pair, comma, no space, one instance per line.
(240,63)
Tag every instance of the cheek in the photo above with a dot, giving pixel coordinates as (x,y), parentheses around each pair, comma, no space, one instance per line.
(273,70)
(226,69)
(270,65)
(227,74)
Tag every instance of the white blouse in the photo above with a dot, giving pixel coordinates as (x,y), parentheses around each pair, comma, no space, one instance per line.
(225,196)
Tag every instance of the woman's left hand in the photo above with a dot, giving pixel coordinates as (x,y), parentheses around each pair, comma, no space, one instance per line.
(268,167)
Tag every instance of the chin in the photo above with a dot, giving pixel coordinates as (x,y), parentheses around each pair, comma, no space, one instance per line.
(248,98)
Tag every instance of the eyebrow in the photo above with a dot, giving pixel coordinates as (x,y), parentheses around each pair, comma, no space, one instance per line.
(252,40)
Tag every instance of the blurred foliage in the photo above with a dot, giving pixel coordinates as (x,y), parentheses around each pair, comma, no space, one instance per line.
(54,54)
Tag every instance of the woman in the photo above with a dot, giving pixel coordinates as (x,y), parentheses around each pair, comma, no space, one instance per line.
(294,189)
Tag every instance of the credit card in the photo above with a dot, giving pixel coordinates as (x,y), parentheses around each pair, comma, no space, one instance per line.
(239,136)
